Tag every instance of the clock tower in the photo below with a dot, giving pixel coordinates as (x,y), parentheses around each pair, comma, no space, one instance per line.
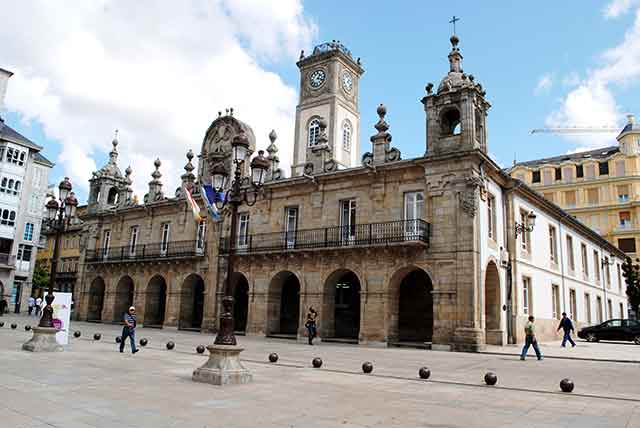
(329,84)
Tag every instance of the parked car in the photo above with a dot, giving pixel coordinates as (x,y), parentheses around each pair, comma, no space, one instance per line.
(628,330)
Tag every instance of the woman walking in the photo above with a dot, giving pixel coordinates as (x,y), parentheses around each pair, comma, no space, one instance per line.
(311,325)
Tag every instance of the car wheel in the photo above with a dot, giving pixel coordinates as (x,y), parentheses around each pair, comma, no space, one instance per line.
(591,337)
(636,340)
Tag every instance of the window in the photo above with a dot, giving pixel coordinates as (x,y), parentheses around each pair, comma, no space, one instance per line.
(243,230)
(535,176)
(413,210)
(590,172)
(567,173)
(585,261)
(549,196)
(607,272)
(547,177)
(8,218)
(165,236)
(526,295)
(603,168)
(555,301)
(610,308)
(28,232)
(106,242)
(290,225)
(346,135)
(573,307)
(592,196)
(491,216)
(619,168)
(599,317)
(621,310)
(525,236)
(623,193)
(133,239)
(24,252)
(587,307)
(596,265)
(202,236)
(579,171)
(619,277)
(628,245)
(572,264)
(348,219)
(625,219)
(558,174)
(553,246)
(570,198)
(314,132)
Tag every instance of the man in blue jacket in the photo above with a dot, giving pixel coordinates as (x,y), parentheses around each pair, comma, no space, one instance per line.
(567,326)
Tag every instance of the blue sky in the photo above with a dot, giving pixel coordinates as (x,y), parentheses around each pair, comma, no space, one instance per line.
(529,56)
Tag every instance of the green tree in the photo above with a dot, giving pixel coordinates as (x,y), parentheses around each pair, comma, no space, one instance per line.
(631,273)
(40,277)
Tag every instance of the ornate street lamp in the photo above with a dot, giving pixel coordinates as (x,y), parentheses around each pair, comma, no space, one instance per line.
(224,364)
(528,226)
(59,215)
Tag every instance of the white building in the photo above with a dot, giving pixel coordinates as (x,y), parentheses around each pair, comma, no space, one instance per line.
(24,176)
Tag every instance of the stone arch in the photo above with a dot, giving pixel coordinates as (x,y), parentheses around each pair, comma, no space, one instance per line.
(96,299)
(450,121)
(192,303)
(492,305)
(112,196)
(155,301)
(411,306)
(240,302)
(340,316)
(124,297)
(283,304)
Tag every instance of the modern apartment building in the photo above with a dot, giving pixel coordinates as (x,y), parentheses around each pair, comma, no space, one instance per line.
(24,175)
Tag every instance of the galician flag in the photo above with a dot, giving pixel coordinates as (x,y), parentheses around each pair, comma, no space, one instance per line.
(210,198)
(194,206)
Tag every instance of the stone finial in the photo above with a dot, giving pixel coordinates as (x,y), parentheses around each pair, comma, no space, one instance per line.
(231,111)
(272,149)
(429,88)
(274,162)
(113,154)
(382,152)
(156,174)
(155,185)
(321,152)
(189,166)
(302,54)
(188,178)
(455,57)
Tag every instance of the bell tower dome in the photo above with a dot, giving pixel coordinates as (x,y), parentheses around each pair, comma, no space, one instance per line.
(329,84)
(456,113)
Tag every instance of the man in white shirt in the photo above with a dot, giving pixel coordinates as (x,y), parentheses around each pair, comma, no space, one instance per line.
(38,305)
(31,302)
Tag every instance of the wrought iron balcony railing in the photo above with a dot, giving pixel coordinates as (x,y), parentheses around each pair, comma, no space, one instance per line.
(66,275)
(357,235)
(155,251)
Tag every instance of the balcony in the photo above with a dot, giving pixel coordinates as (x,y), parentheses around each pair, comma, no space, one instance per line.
(414,232)
(66,276)
(146,252)
(7,261)
(623,199)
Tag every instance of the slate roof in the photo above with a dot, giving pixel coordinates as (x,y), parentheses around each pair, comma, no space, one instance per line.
(11,135)
(37,157)
(601,153)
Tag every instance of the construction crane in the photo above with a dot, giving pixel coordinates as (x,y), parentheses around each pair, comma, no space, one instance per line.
(576,130)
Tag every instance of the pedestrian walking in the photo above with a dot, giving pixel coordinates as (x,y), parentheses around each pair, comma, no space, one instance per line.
(567,326)
(3,306)
(129,330)
(38,306)
(530,339)
(311,324)
(31,303)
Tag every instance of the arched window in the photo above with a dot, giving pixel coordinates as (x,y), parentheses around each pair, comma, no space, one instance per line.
(314,132)
(347,131)
(112,197)
(450,122)
(17,185)
(11,184)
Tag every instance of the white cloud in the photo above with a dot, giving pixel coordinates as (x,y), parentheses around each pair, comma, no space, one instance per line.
(571,79)
(159,71)
(618,7)
(544,84)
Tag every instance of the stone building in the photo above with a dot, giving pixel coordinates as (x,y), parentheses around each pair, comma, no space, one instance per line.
(600,187)
(419,251)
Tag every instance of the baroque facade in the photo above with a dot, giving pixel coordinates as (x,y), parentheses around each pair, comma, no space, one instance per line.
(419,251)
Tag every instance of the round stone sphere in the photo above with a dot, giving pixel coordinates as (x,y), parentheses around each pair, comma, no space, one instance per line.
(424,373)
(273,357)
(490,378)
(14,326)
(143,342)
(1,323)
(97,336)
(118,339)
(27,327)
(367,367)
(317,362)
(77,334)
(200,349)
(170,345)
(566,385)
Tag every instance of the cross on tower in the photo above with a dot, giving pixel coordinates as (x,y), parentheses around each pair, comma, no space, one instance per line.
(453,21)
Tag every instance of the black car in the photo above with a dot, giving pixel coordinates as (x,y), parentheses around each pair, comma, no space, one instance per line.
(628,330)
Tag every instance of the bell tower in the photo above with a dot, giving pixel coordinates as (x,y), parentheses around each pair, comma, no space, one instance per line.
(329,85)
(457,112)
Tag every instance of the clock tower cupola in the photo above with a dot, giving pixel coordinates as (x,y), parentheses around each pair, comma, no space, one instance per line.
(329,84)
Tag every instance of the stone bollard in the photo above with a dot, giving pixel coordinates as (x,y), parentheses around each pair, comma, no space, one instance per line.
(367,367)
(317,362)
(424,373)
(170,345)
(273,357)
(118,339)
(97,336)
(200,349)
(490,378)
(566,385)
(27,327)
(77,334)
(143,342)
(14,326)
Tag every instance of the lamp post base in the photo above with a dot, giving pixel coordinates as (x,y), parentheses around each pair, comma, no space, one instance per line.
(223,367)
(43,340)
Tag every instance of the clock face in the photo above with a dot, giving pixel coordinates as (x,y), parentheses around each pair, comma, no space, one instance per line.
(347,82)
(317,78)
